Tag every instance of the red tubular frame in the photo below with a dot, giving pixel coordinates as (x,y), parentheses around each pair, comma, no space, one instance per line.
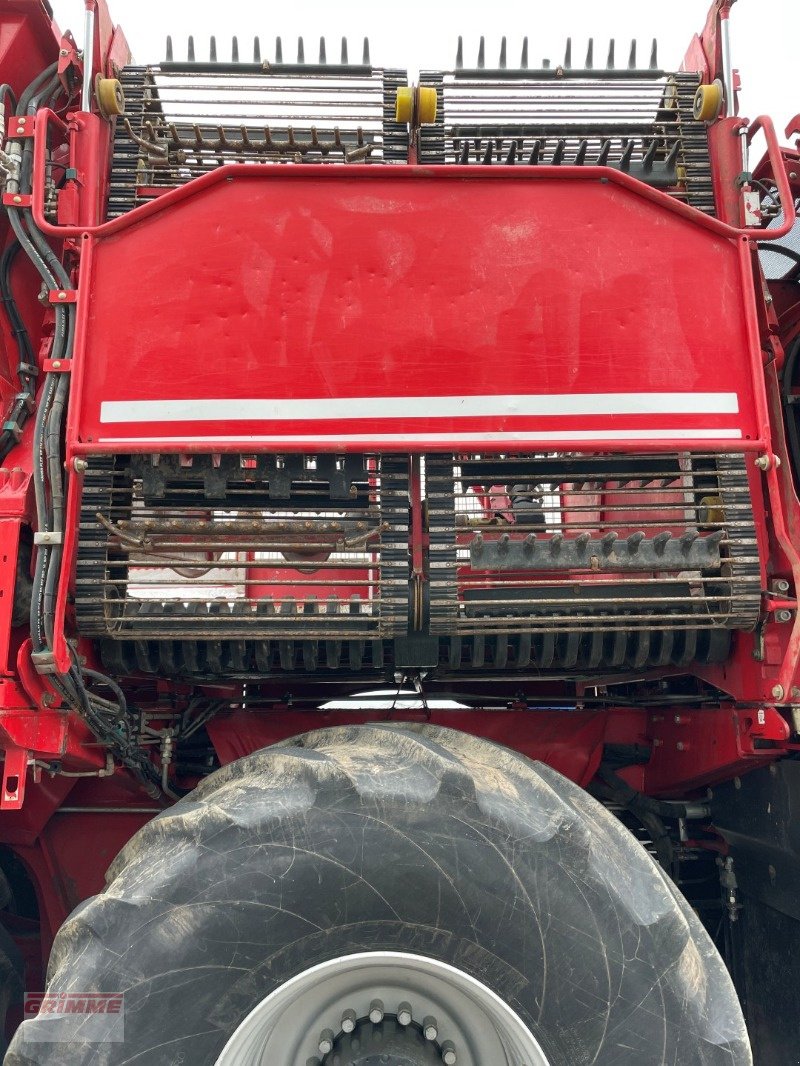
(589,173)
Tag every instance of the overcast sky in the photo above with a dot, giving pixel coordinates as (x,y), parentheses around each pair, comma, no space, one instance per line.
(420,34)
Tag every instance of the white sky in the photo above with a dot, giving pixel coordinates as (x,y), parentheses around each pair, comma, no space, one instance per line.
(416,34)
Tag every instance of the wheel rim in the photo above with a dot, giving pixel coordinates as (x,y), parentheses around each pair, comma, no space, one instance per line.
(380,1002)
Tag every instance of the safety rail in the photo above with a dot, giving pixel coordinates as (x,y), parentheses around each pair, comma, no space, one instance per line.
(46,117)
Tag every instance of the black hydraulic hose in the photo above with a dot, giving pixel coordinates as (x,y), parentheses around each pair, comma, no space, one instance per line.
(26,166)
(55,477)
(26,369)
(7,93)
(648,812)
(95,675)
(41,568)
(18,330)
(59,345)
(34,87)
(790,253)
(638,801)
(114,732)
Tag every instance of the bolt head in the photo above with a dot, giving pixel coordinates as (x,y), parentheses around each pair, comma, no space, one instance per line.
(404,1015)
(777,692)
(62,296)
(326,1042)
(348,1022)
(17,199)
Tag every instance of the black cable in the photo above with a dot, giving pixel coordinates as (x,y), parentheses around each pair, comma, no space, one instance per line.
(95,675)
(108,721)
(7,93)
(631,799)
(33,88)
(27,370)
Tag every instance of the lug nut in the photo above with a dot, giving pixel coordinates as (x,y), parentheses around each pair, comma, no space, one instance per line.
(430,1029)
(449,1053)
(404,1014)
(376,1011)
(349,1020)
(326,1041)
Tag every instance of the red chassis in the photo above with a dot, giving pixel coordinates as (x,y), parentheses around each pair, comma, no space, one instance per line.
(371,310)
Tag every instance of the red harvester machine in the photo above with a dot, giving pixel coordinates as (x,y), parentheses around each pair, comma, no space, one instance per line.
(400,529)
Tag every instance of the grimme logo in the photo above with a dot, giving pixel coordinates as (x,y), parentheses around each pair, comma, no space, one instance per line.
(90,1016)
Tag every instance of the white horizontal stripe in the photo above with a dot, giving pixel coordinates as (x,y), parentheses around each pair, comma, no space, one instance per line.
(494,406)
(566,435)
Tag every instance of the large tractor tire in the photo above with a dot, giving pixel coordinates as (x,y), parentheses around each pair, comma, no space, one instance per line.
(12,976)
(391,896)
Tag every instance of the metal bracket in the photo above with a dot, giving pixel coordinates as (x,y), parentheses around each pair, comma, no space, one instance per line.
(15,769)
(17,199)
(21,126)
(62,296)
(609,553)
(57,366)
(45,662)
(48,538)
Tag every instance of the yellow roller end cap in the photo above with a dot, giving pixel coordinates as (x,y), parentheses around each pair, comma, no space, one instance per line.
(110,97)
(404,104)
(707,102)
(426,105)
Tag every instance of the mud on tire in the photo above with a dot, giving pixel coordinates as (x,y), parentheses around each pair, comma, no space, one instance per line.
(398,838)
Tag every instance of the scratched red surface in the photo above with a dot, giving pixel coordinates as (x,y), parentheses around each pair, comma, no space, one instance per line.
(332,286)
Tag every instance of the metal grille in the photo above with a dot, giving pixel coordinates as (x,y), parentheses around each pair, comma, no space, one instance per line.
(579,553)
(228,562)
(184,119)
(252,566)
(636,121)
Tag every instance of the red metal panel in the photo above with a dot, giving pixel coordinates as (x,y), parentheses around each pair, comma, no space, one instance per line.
(569,741)
(441,307)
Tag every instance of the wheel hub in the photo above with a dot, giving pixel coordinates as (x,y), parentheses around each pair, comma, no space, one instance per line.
(333,1014)
(386,1044)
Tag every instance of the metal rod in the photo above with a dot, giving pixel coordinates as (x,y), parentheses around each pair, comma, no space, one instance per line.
(88,57)
(727,68)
